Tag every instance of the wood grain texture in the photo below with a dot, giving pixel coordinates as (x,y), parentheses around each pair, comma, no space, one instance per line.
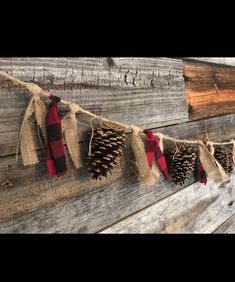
(77,204)
(228,227)
(148,92)
(210,89)
(212,218)
(86,211)
(169,215)
(229,61)
(36,195)
(195,209)
(218,129)
(142,91)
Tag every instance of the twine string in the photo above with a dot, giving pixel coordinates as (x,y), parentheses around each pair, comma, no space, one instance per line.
(176,151)
(37,91)
(92,134)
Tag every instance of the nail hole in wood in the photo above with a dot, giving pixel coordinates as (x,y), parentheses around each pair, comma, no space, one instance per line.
(7,184)
(110,62)
(230,204)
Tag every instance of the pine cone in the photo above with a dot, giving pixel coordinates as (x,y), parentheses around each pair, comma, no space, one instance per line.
(224,156)
(180,162)
(106,149)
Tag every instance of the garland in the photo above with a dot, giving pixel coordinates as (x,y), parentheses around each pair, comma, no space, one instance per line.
(107,140)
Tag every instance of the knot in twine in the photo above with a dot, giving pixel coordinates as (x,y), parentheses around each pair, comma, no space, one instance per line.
(74,108)
(135,129)
(35,90)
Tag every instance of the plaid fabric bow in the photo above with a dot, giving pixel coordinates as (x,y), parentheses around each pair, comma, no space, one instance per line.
(56,163)
(201,172)
(152,148)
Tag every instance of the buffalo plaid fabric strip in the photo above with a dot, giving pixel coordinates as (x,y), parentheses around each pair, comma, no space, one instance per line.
(56,162)
(152,149)
(201,173)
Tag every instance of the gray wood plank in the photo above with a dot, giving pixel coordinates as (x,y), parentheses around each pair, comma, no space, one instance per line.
(169,215)
(38,203)
(228,227)
(195,209)
(144,91)
(217,128)
(86,211)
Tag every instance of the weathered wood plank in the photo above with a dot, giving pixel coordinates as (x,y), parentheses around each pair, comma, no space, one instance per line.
(217,128)
(36,198)
(213,217)
(33,188)
(227,227)
(86,211)
(169,215)
(210,89)
(229,61)
(195,209)
(143,91)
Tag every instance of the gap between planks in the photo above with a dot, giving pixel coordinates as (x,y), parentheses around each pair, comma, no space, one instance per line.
(130,215)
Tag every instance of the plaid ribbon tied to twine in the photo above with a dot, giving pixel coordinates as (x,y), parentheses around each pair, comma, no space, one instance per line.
(55,154)
(201,172)
(152,149)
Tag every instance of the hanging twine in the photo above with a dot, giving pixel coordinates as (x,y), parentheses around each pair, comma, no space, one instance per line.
(92,135)
(37,91)
(36,106)
(176,151)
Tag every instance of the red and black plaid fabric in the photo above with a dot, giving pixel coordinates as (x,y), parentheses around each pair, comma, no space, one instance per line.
(56,162)
(201,172)
(152,148)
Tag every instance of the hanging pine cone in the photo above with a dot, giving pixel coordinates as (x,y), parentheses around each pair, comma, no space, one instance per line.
(180,162)
(224,156)
(107,146)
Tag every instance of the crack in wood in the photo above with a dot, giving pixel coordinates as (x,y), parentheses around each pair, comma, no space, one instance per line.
(59,205)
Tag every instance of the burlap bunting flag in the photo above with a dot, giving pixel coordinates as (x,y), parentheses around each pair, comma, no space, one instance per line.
(27,140)
(70,129)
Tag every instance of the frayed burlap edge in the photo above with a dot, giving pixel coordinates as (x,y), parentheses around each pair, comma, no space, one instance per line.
(213,169)
(69,125)
(146,176)
(40,114)
(26,139)
(27,146)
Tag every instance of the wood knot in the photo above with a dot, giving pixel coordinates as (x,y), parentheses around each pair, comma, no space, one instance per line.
(186,78)
(7,184)
(110,62)
(230,204)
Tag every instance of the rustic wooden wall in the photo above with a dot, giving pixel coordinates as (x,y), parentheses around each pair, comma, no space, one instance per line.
(179,97)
